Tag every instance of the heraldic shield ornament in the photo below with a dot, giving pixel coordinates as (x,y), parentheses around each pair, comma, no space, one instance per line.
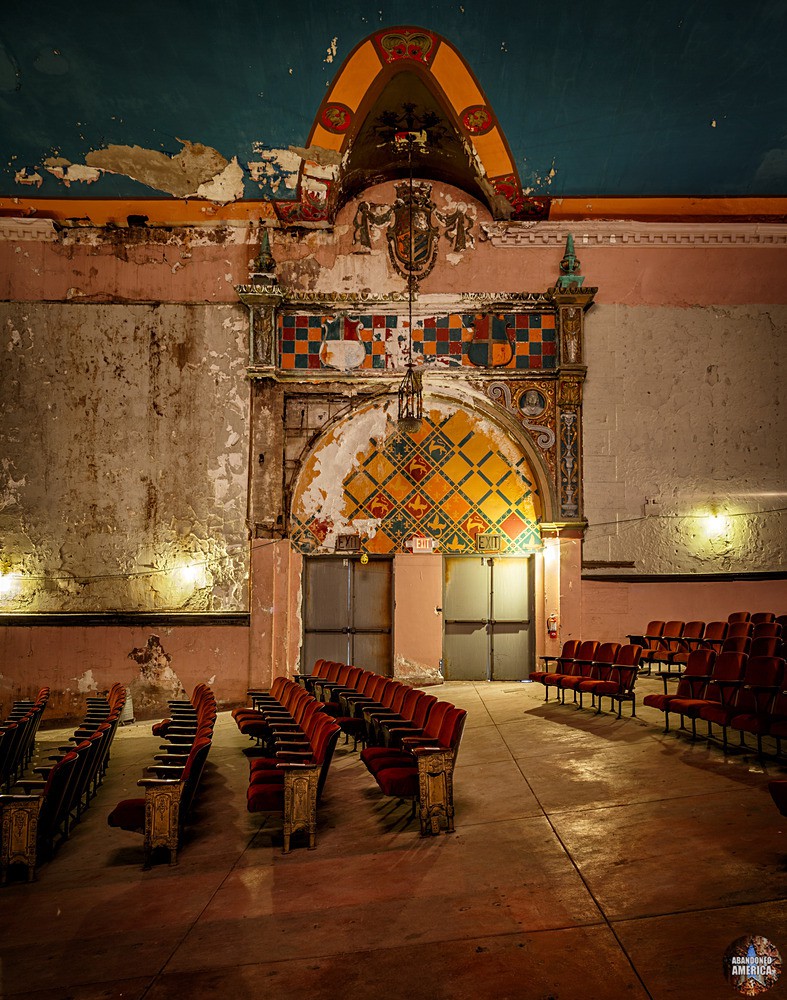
(412,234)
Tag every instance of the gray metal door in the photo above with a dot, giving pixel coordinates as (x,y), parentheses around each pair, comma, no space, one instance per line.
(347,611)
(487,614)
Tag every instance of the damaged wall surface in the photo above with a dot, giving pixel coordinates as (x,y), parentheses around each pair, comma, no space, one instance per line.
(125,456)
(684,418)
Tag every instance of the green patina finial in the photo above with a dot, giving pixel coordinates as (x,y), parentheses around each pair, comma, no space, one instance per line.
(569,267)
(264,264)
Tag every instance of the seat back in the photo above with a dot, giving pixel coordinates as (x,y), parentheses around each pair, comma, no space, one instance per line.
(628,655)
(587,650)
(692,631)
(738,616)
(715,632)
(400,693)
(435,720)
(653,634)
(601,666)
(451,729)
(765,646)
(736,644)
(762,677)
(570,649)
(422,710)
(760,617)
(728,667)
(739,630)
(766,629)
(697,673)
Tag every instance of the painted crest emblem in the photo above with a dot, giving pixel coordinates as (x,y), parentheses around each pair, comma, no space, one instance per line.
(412,234)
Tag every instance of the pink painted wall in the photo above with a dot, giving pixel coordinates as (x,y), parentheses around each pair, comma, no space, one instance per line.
(81,661)
(610,611)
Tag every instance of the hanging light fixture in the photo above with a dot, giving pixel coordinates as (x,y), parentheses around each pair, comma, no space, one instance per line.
(411,396)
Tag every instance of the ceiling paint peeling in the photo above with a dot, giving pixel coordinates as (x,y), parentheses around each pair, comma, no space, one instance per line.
(180,175)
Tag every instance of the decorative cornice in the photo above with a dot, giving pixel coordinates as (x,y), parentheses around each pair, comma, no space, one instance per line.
(27,229)
(635,234)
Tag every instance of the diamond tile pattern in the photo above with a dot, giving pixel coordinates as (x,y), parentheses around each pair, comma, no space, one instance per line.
(523,341)
(449,481)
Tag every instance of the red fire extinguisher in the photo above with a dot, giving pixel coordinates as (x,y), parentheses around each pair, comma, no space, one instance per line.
(552,623)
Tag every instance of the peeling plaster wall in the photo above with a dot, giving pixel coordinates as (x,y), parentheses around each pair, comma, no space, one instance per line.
(685,407)
(124,441)
(136,264)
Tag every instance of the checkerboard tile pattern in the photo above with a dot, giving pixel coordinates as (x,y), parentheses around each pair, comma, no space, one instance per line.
(521,341)
(448,480)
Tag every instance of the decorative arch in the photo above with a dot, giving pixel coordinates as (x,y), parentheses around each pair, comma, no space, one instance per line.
(363,77)
(460,474)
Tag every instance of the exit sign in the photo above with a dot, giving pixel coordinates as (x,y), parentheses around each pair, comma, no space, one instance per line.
(488,543)
(420,544)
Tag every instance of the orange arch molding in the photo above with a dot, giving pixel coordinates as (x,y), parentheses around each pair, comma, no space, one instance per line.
(360,80)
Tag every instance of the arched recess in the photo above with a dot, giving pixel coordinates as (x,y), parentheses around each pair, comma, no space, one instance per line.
(461,474)
(387,71)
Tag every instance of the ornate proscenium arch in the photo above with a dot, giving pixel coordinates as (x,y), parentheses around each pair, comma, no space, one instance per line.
(453,479)
(406,80)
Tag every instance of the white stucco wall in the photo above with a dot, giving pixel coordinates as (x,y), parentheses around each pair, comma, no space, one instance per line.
(686,407)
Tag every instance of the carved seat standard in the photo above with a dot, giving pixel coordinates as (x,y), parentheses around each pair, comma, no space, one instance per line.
(160,816)
(422,770)
(292,780)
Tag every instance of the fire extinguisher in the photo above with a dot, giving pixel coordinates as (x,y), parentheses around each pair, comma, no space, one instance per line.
(552,623)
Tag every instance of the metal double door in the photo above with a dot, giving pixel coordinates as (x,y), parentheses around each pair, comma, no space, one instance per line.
(347,612)
(488,608)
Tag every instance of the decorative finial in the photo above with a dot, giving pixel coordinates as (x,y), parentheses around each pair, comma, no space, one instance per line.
(569,267)
(264,264)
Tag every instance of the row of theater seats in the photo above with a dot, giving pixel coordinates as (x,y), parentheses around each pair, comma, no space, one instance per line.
(600,669)
(37,819)
(411,740)
(296,740)
(171,783)
(17,736)
(732,691)
(669,643)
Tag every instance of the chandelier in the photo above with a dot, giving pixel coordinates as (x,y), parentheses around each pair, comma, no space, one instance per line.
(411,397)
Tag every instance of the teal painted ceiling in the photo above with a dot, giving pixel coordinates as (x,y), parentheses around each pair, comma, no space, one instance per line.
(612,98)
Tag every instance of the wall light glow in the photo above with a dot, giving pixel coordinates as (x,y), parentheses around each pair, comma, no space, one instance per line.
(715,525)
(192,573)
(10,584)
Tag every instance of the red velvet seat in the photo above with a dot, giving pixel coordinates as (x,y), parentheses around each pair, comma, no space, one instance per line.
(295,787)
(749,701)
(692,638)
(725,678)
(423,772)
(668,642)
(373,757)
(649,640)
(570,667)
(762,616)
(617,681)
(568,652)
(756,701)
(597,671)
(691,685)
(390,730)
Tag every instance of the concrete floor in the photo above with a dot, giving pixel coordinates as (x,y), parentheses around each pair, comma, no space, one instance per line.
(593,858)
